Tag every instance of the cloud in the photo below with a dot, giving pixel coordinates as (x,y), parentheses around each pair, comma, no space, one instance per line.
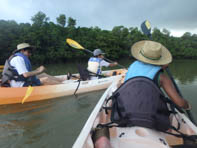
(174,15)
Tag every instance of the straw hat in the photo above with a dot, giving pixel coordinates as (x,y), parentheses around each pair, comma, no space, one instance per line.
(23,46)
(151,52)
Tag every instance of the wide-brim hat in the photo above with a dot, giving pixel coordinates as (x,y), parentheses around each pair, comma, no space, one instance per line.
(151,52)
(23,46)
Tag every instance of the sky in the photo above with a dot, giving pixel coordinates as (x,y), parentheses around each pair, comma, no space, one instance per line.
(177,16)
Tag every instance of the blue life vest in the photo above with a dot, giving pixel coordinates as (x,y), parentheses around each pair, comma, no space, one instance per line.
(34,81)
(94,65)
(26,59)
(139,68)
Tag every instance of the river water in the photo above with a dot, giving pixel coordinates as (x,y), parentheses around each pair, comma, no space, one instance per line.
(56,123)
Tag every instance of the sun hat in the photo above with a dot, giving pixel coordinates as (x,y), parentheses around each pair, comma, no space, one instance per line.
(151,52)
(98,52)
(23,46)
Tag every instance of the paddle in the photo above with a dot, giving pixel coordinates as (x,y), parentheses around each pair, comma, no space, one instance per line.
(76,45)
(28,93)
(146,29)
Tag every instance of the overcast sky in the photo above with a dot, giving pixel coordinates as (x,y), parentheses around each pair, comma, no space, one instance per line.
(177,16)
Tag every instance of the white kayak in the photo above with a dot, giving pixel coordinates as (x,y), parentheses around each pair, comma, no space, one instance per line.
(132,137)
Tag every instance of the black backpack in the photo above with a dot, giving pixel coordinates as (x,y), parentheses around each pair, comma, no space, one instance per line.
(140,102)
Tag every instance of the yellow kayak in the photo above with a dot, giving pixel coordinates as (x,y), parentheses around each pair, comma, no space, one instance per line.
(27,94)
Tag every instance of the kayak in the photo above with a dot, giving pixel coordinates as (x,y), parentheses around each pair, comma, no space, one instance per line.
(132,137)
(16,95)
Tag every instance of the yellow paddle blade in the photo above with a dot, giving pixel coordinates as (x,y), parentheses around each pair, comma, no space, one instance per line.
(74,44)
(28,93)
(147,23)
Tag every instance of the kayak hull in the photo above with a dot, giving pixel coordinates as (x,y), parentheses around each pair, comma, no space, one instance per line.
(131,137)
(16,95)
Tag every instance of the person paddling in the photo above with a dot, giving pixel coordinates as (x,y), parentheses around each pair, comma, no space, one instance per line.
(151,60)
(18,70)
(96,63)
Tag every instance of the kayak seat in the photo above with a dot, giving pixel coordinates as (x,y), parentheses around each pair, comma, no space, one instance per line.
(137,137)
(114,73)
(83,72)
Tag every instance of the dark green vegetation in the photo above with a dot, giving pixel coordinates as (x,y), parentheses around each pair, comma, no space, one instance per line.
(49,39)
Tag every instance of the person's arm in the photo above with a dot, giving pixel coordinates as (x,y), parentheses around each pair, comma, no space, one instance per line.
(113,64)
(107,64)
(34,72)
(169,88)
(19,64)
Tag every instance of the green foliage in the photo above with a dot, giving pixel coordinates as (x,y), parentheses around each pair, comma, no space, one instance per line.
(61,20)
(39,19)
(71,22)
(50,40)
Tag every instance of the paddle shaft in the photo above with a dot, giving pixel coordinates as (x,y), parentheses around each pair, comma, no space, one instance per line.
(147,31)
(76,45)
(105,58)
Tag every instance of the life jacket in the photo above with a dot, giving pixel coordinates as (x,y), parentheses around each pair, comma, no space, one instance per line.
(139,68)
(94,65)
(10,73)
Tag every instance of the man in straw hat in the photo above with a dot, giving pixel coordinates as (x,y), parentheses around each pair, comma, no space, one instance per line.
(21,73)
(152,58)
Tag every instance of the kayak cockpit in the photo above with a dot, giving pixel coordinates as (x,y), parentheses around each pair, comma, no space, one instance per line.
(135,137)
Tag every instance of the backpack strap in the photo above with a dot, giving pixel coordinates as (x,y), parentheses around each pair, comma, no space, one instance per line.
(172,105)
(113,97)
(157,76)
(192,138)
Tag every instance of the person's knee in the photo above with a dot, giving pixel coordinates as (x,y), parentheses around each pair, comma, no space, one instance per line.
(44,80)
(101,137)
(42,75)
(102,142)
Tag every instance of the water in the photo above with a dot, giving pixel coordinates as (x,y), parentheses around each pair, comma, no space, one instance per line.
(56,123)
(45,124)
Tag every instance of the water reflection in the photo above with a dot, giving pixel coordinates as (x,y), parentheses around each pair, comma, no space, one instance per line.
(184,70)
(51,123)
(18,122)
